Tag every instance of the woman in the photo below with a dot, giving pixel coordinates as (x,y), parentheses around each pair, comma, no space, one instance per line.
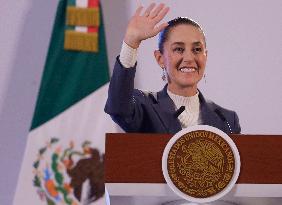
(182,55)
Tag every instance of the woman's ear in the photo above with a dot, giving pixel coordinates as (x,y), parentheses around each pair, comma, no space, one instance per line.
(159,58)
(206,52)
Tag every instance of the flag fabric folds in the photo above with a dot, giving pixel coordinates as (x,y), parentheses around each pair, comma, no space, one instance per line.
(64,157)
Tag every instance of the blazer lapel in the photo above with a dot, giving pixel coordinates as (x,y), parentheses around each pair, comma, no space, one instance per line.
(207,114)
(165,110)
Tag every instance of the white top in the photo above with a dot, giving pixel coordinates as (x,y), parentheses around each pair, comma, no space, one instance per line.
(190,116)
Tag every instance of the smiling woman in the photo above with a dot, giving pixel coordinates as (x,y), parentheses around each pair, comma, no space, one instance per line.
(182,55)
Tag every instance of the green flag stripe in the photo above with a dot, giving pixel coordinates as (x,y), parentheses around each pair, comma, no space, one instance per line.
(68,76)
(71,2)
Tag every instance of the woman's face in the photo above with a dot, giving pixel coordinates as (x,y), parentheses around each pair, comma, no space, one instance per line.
(184,57)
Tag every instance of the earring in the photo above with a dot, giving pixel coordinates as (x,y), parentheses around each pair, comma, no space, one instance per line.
(205,79)
(164,75)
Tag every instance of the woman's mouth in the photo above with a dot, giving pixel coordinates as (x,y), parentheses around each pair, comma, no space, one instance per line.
(187,69)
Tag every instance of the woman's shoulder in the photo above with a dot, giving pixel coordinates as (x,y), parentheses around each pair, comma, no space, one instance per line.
(214,106)
(226,115)
(222,112)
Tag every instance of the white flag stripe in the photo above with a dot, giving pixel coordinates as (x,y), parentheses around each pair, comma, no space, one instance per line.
(80,120)
(81,3)
(85,120)
(81,29)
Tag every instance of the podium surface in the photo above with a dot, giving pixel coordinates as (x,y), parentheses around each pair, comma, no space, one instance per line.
(133,167)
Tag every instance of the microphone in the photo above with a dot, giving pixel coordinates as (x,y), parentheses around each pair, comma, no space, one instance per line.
(222,117)
(179,111)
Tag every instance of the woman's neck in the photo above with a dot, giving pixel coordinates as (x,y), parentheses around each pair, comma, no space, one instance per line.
(186,91)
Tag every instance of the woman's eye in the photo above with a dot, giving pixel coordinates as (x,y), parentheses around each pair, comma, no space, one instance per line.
(178,49)
(197,50)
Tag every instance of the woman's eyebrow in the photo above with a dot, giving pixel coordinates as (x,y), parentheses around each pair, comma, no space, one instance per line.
(177,43)
(197,43)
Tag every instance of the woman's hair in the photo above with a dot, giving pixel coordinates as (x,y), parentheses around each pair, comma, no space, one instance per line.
(173,23)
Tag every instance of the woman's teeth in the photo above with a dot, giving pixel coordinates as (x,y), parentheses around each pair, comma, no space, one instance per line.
(187,70)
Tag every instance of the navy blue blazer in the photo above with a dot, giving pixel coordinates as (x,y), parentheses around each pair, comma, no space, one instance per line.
(145,112)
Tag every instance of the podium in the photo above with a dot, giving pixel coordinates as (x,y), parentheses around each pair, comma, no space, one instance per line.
(133,173)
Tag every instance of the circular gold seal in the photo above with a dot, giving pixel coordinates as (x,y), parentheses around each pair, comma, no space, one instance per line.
(201,163)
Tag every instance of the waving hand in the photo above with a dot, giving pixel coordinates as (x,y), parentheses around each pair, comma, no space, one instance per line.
(144,25)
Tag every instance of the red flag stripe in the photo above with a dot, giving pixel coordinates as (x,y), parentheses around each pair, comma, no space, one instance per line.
(92,29)
(93,3)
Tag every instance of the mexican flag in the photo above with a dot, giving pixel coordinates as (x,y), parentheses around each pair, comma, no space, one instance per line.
(64,158)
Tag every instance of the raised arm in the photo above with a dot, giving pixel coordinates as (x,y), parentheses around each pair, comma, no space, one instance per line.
(124,104)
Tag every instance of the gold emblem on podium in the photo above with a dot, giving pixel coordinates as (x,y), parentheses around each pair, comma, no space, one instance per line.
(201,164)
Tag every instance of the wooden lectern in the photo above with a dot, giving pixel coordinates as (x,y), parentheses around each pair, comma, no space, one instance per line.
(133,173)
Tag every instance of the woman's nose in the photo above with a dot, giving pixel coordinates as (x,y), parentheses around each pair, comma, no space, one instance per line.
(188,56)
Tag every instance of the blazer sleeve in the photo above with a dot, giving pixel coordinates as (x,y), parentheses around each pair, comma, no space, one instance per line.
(124,102)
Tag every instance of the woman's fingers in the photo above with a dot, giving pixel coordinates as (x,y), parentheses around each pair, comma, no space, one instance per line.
(149,9)
(161,14)
(144,25)
(138,11)
(157,10)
